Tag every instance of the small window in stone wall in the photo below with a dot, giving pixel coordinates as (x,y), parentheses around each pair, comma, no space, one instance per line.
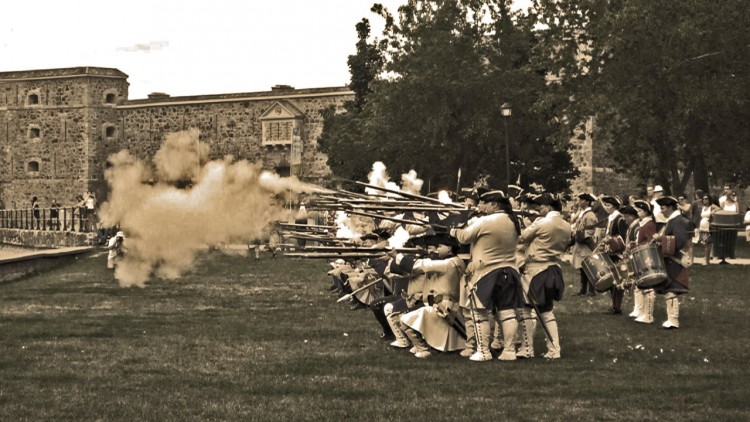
(32,167)
(110,98)
(35,133)
(110,131)
(33,99)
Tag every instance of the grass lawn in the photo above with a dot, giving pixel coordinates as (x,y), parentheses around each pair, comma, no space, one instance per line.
(237,339)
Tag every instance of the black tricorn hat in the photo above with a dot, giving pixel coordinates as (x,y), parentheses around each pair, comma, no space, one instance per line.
(434,240)
(627,209)
(612,200)
(514,190)
(667,200)
(643,205)
(587,197)
(494,196)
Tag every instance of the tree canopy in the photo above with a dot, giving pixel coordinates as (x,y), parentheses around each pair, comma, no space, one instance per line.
(666,80)
(444,69)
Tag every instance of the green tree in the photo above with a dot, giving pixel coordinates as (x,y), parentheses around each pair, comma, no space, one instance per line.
(666,80)
(435,108)
(342,137)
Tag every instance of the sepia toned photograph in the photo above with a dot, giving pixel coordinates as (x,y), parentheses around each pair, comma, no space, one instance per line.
(423,210)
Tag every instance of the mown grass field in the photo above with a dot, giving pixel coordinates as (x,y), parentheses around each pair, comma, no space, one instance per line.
(237,339)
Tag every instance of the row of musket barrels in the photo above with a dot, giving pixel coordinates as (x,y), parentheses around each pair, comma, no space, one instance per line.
(364,218)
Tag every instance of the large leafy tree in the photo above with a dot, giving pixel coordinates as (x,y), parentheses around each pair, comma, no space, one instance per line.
(435,107)
(349,151)
(666,80)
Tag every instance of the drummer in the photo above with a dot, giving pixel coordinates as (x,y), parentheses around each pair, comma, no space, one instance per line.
(630,215)
(583,240)
(673,240)
(643,310)
(614,246)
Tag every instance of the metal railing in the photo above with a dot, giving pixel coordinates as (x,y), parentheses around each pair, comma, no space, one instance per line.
(74,219)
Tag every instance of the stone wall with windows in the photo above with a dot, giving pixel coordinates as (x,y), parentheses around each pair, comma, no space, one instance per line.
(58,126)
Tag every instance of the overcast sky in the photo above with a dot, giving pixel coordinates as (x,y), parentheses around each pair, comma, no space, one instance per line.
(190,47)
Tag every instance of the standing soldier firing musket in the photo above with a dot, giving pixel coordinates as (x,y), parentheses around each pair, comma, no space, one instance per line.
(546,239)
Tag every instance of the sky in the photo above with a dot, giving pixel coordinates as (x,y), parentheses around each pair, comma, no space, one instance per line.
(190,47)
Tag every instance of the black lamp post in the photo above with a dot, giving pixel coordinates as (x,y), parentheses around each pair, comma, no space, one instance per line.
(506,110)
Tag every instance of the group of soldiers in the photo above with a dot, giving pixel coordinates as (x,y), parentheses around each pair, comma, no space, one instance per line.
(481,281)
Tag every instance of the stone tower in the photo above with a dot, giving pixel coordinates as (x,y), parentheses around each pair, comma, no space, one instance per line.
(55,125)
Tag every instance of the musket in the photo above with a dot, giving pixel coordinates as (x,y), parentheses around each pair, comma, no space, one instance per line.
(318,238)
(349,295)
(532,301)
(398,220)
(409,195)
(416,251)
(402,208)
(307,227)
(332,255)
(473,309)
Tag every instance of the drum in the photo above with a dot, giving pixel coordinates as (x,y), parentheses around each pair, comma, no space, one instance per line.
(648,266)
(627,272)
(614,244)
(600,269)
(724,227)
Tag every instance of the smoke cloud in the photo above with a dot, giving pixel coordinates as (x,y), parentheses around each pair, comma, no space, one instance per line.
(186,205)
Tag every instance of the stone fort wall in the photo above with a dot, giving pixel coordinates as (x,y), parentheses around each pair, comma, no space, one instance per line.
(58,126)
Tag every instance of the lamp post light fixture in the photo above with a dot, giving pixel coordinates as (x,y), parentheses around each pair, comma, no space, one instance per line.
(506,110)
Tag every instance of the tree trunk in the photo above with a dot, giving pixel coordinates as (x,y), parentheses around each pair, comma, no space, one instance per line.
(700,174)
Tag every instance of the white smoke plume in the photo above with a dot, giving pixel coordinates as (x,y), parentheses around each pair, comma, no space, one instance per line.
(444,197)
(165,225)
(411,183)
(399,238)
(378,176)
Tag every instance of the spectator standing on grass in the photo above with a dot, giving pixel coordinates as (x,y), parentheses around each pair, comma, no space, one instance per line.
(730,203)
(659,218)
(727,192)
(747,224)
(695,214)
(704,227)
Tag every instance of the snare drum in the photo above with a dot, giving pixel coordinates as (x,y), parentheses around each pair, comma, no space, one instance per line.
(648,264)
(627,272)
(600,269)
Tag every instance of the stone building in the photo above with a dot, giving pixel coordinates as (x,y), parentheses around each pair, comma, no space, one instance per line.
(58,126)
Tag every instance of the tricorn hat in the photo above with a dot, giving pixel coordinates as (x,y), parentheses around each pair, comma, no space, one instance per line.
(514,190)
(586,197)
(667,201)
(494,196)
(612,200)
(628,210)
(643,205)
